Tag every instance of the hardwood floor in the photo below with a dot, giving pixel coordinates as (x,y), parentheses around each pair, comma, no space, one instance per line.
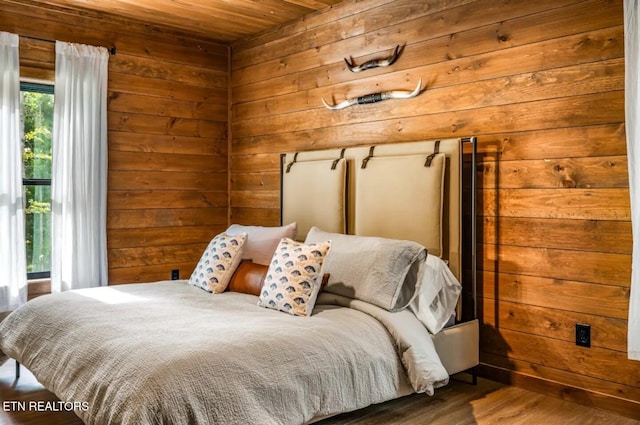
(459,403)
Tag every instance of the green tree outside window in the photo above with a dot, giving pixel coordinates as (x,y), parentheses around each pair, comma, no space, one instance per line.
(37,119)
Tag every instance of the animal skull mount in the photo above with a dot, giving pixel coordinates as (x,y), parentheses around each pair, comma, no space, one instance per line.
(375,97)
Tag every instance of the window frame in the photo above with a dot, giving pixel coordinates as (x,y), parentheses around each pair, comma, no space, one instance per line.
(47,89)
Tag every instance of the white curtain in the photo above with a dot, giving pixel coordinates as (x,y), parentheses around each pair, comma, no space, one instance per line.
(632,111)
(13,262)
(79,180)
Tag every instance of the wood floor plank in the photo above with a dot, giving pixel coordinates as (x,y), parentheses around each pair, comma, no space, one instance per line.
(458,403)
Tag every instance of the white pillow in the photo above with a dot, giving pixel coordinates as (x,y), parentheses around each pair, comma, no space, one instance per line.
(294,277)
(438,297)
(383,272)
(262,241)
(218,262)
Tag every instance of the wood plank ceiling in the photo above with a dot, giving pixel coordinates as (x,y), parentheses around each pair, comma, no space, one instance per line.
(221,20)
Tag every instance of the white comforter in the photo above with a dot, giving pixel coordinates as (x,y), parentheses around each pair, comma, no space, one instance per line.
(169,353)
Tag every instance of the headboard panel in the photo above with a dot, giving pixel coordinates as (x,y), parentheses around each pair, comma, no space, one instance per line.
(398,195)
(389,203)
(316,195)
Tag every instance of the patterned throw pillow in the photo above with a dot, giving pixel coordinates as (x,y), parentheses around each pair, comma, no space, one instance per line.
(218,262)
(294,277)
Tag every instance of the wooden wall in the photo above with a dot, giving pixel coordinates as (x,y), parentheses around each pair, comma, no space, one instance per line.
(168,115)
(541,83)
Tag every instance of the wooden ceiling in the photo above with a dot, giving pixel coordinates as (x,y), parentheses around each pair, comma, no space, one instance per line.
(222,20)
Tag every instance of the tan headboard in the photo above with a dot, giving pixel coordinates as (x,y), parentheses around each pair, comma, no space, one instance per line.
(400,194)
(315,195)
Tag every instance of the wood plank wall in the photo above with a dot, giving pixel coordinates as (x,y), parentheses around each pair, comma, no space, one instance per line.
(541,83)
(167,133)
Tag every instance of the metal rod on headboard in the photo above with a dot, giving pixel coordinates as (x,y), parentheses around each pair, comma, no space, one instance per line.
(283,157)
(473,140)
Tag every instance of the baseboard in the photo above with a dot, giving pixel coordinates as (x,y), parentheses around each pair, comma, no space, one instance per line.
(582,396)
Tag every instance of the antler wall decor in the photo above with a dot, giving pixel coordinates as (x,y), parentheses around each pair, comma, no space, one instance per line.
(375,97)
(374,63)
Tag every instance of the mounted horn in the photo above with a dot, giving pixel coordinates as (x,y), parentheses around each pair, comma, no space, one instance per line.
(375,97)
(374,63)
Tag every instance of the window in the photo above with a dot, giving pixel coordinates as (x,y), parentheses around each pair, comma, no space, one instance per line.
(37,131)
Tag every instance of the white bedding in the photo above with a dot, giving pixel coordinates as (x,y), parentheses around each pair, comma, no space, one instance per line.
(436,302)
(169,353)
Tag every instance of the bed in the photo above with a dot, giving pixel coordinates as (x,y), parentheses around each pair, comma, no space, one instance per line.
(347,325)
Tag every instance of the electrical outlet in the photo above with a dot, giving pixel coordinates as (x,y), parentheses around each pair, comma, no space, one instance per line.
(175,274)
(583,335)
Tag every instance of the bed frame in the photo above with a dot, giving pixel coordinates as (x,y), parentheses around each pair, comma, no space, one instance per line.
(336,190)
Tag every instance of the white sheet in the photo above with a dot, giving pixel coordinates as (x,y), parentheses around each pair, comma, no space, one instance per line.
(436,302)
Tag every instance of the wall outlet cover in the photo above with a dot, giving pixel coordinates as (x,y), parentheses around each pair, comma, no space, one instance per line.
(583,335)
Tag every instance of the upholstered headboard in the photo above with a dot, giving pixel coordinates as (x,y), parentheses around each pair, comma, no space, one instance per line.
(409,191)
